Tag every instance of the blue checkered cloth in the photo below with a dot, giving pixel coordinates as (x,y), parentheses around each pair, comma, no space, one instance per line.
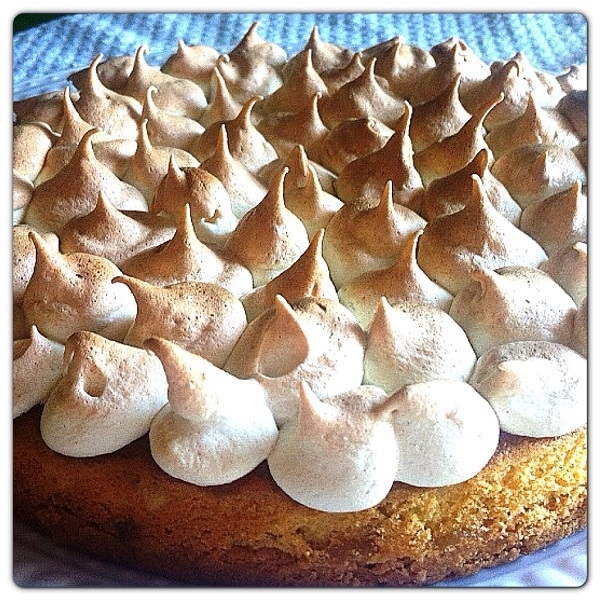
(551,41)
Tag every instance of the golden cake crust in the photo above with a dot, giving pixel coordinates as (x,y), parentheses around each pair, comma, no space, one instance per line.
(123,508)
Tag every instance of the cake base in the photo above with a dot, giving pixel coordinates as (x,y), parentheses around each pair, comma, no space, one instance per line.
(123,508)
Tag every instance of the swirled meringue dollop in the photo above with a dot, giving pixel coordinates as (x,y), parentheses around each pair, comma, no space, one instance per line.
(454,245)
(360,241)
(203,318)
(269,238)
(537,388)
(568,266)
(337,454)
(215,428)
(315,340)
(445,430)
(404,280)
(411,343)
(72,292)
(36,367)
(105,398)
(513,304)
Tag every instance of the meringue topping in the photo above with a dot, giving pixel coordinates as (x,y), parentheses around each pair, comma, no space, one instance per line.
(512,304)
(105,398)
(358,241)
(315,340)
(568,266)
(337,455)
(559,220)
(222,105)
(537,388)
(269,237)
(206,196)
(403,281)
(215,427)
(361,181)
(454,245)
(73,191)
(185,258)
(244,188)
(178,96)
(114,234)
(81,295)
(204,318)
(445,430)
(37,364)
(308,276)
(410,343)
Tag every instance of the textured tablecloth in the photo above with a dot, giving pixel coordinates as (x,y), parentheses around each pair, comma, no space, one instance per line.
(550,41)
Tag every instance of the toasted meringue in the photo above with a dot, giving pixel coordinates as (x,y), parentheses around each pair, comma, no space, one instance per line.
(449,194)
(350,140)
(269,238)
(222,105)
(454,245)
(284,131)
(512,304)
(537,171)
(166,129)
(536,125)
(537,388)
(207,197)
(304,195)
(195,62)
(22,193)
(82,295)
(299,87)
(360,182)
(185,258)
(253,66)
(445,430)
(359,241)
(324,347)
(439,118)
(244,188)
(37,364)
(337,455)
(410,343)
(568,266)
(46,108)
(204,318)
(73,191)
(31,144)
(579,341)
(112,112)
(325,56)
(112,72)
(105,398)
(574,107)
(451,57)
(215,427)
(402,64)
(150,163)
(308,276)
(558,220)
(174,94)
(403,281)
(336,77)
(362,97)
(24,257)
(246,144)
(453,152)
(114,234)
